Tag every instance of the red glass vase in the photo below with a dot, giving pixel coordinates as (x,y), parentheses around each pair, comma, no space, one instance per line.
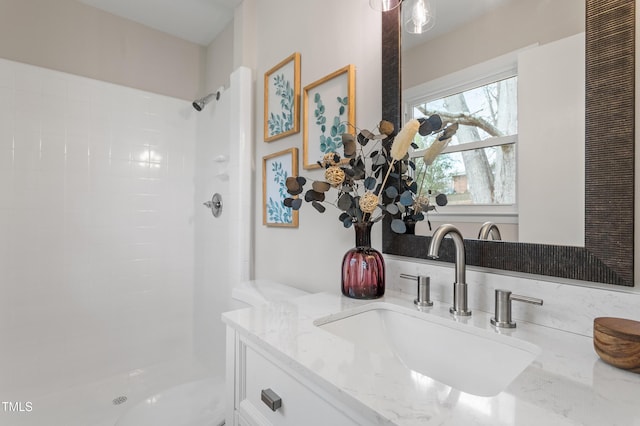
(363,267)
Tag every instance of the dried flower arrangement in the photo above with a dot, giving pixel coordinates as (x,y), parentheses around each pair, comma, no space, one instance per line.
(366,193)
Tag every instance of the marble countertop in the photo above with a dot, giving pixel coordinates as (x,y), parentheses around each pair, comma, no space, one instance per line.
(566,384)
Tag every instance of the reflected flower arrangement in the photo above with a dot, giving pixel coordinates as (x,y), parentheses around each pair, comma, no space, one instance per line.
(373,177)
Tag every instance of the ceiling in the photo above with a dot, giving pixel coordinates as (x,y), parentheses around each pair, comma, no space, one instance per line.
(451,14)
(198,21)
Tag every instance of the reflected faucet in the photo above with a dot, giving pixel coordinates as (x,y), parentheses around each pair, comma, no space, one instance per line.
(459,286)
(489,228)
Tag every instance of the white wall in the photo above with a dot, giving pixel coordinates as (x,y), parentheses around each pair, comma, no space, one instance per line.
(96,229)
(244,35)
(219,60)
(329,35)
(508,28)
(69,36)
(551,135)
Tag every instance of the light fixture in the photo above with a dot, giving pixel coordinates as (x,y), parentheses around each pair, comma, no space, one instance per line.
(384,5)
(418,16)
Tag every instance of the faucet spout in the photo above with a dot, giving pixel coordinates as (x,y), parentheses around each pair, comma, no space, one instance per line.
(489,228)
(434,248)
(459,286)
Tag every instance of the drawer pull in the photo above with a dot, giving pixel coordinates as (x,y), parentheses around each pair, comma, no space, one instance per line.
(271,399)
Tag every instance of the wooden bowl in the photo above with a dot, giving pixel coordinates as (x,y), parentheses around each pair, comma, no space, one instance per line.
(617,342)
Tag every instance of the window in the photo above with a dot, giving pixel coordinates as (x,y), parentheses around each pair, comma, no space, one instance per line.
(477,170)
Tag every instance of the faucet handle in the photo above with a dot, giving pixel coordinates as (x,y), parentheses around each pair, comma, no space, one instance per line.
(503,307)
(424,289)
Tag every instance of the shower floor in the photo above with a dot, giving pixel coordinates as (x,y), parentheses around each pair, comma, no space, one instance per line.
(100,403)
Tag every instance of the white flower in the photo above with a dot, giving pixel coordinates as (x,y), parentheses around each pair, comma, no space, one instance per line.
(403,140)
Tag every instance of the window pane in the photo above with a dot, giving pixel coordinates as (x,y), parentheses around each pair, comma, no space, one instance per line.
(480,176)
(484,112)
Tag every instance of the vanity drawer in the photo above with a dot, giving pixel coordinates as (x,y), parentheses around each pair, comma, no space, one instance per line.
(300,405)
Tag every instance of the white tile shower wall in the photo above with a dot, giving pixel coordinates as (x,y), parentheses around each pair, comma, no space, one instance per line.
(214,175)
(96,232)
(223,247)
(566,306)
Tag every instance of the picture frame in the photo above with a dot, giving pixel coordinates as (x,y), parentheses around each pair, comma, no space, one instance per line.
(282,99)
(329,111)
(275,170)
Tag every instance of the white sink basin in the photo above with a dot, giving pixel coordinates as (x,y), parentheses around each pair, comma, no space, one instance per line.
(476,361)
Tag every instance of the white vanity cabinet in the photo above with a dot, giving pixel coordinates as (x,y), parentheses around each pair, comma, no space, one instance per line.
(324,379)
(251,370)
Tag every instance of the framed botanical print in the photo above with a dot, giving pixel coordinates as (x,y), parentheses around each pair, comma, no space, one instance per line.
(276,168)
(282,99)
(329,111)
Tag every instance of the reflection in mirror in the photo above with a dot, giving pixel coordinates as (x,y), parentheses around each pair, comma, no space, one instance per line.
(607,254)
(509,126)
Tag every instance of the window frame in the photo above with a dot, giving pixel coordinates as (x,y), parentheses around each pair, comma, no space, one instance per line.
(502,67)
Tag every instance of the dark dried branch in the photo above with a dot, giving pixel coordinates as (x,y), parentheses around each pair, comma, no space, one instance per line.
(464,119)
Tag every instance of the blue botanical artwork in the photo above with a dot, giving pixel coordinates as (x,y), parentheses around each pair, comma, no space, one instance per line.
(282,99)
(283,121)
(276,168)
(276,211)
(330,137)
(329,105)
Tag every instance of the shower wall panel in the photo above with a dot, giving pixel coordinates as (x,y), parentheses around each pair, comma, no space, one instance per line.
(96,229)
(213,236)
(223,245)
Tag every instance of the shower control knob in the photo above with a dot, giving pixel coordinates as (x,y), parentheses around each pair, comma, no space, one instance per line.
(215,205)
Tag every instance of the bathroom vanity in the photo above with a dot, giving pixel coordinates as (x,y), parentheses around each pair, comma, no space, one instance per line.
(269,392)
(304,362)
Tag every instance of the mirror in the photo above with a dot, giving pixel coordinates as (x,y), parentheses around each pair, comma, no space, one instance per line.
(607,254)
(505,87)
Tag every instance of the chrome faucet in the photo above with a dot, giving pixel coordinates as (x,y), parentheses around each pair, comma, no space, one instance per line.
(459,286)
(489,228)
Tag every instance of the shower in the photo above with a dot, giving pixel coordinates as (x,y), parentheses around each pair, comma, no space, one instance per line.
(199,104)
